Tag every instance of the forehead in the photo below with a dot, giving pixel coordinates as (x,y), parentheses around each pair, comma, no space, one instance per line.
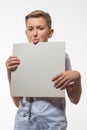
(36,21)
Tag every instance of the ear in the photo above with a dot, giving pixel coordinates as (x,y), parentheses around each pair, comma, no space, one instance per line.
(51,33)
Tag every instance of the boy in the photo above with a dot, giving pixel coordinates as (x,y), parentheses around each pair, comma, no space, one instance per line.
(44,113)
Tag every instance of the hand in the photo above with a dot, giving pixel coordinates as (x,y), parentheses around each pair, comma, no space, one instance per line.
(65,79)
(12,63)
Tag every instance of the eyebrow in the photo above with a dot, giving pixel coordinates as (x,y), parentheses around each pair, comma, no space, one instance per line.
(33,26)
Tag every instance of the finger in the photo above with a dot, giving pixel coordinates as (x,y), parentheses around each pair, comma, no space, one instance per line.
(64,85)
(12,60)
(57,76)
(12,68)
(58,80)
(60,83)
(13,63)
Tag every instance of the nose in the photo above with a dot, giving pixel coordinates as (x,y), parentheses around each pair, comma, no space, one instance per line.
(35,33)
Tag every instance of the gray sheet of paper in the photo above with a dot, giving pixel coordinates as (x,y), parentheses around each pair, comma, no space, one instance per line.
(38,65)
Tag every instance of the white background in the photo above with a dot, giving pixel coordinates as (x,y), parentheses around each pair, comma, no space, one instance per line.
(70,25)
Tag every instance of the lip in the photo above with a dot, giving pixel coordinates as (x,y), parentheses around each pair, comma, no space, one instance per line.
(35,41)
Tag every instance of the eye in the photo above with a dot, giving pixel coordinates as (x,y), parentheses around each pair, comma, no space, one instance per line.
(30,29)
(41,28)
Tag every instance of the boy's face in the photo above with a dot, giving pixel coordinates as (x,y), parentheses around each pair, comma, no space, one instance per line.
(37,30)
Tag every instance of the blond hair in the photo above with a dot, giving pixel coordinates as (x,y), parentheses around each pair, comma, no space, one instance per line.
(39,13)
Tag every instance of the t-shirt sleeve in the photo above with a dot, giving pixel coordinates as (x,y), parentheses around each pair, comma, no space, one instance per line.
(67,62)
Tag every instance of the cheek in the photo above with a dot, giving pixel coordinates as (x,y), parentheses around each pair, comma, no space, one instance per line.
(44,36)
(29,36)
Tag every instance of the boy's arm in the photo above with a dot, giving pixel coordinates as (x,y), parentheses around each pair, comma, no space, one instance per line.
(74,90)
(71,80)
(10,67)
